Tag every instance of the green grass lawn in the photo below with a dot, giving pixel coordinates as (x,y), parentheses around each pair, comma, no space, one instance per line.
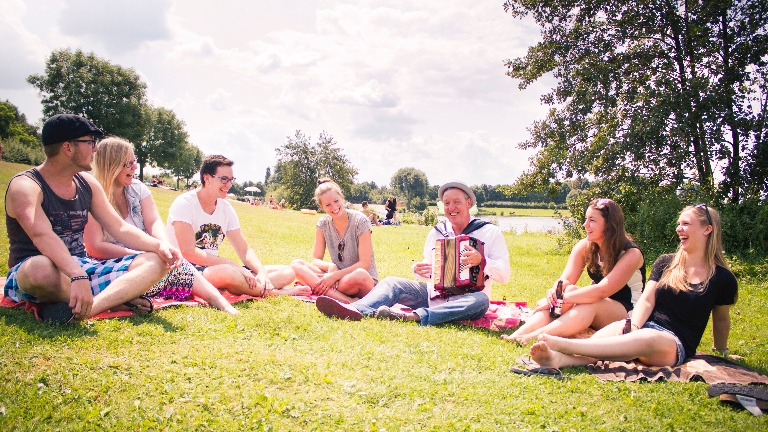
(282,365)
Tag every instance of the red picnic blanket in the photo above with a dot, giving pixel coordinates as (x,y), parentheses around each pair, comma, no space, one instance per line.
(156,302)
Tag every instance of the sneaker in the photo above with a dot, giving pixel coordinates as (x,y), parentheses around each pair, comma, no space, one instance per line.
(336,309)
(55,313)
(385,312)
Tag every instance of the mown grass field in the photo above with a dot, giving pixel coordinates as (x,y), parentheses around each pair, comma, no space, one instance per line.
(282,365)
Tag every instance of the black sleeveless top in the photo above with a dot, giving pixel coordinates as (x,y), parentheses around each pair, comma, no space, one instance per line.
(624,295)
(68,219)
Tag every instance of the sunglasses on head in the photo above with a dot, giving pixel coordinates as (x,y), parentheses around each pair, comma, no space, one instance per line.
(706,209)
(602,202)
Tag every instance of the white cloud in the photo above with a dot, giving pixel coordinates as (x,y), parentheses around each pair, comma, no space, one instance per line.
(217,101)
(21,51)
(120,26)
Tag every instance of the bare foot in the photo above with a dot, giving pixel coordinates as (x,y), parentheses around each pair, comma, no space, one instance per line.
(519,337)
(542,355)
(230,309)
(297,290)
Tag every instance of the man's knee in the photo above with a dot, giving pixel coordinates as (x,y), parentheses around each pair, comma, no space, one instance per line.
(151,263)
(39,273)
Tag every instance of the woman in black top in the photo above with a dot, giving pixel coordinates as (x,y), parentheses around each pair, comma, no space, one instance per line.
(391,207)
(616,268)
(671,315)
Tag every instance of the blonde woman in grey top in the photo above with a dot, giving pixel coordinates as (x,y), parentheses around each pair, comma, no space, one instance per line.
(347,236)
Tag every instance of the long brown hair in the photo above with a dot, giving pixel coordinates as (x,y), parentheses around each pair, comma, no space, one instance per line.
(615,239)
(675,275)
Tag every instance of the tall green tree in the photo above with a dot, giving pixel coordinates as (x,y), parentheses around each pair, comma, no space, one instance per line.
(300,164)
(186,164)
(13,124)
(111,96)
(656,92)
(412,183)
(166,140)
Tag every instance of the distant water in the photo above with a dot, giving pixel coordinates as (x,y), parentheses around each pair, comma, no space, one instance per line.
(521,224)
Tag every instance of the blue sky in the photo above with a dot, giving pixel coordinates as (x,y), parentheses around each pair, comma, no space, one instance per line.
(396,83)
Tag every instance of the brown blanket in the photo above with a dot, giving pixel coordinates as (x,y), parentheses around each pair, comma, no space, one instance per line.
(703,367)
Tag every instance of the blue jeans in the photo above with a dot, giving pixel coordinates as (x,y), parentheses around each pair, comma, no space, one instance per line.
(415,295)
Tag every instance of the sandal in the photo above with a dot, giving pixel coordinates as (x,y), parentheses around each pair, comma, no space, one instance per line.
(530,368)
(136,308)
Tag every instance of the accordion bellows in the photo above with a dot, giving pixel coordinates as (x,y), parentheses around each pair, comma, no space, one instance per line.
(449,275)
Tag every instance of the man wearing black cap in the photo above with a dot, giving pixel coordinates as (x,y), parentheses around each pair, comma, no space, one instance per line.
(46,210)
(428,307)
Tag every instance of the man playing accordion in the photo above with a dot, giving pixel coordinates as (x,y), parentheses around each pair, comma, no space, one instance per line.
(432,306)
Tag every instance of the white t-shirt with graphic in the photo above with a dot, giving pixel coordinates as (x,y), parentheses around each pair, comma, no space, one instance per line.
(210,229)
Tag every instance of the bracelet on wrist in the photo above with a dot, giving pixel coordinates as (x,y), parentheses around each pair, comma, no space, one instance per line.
(77,278)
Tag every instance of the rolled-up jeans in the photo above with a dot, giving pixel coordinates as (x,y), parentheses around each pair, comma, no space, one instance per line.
(415,295)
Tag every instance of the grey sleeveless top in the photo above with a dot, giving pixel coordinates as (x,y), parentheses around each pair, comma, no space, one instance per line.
(68,219)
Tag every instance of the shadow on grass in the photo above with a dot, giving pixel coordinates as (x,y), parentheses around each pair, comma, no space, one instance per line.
(27,323)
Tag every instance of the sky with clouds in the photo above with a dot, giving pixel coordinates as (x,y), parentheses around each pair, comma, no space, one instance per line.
(397,83)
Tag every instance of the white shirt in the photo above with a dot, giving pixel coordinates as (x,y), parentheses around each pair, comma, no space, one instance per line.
(496,257)
(210,229)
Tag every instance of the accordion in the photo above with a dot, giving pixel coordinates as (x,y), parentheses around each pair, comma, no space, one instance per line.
(449,275)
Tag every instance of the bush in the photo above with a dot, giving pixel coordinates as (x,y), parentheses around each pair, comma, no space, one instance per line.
(427,218)
(419,204)
(18,152)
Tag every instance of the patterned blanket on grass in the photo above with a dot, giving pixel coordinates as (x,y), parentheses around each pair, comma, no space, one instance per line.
(501,315)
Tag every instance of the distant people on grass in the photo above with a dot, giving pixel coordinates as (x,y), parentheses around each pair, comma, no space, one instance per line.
(271,202)
(347,236)
(391,207)
(428,306)
(47,208)
(669,320)
(370,214)
(200,220)
(616,268)
(114,166)
(281,204)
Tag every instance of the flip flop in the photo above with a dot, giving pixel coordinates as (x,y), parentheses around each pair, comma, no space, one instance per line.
(55,313)
(530,368)
(136,309)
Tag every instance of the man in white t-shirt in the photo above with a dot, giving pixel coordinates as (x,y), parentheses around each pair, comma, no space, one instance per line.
(199,220)
(428,308)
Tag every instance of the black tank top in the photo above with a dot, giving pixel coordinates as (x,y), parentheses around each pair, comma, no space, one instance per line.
(68,218)
(624,295)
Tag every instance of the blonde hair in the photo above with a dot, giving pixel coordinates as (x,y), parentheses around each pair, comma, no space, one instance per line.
(326,185)
(674,275)
(108,161)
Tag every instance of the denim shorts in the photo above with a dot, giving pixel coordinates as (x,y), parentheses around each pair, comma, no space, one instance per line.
(680,350)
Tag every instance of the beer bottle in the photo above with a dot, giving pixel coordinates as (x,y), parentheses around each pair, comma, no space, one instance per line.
(556,309)
(627,326)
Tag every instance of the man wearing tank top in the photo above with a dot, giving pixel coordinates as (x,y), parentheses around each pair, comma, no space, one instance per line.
(46,209)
